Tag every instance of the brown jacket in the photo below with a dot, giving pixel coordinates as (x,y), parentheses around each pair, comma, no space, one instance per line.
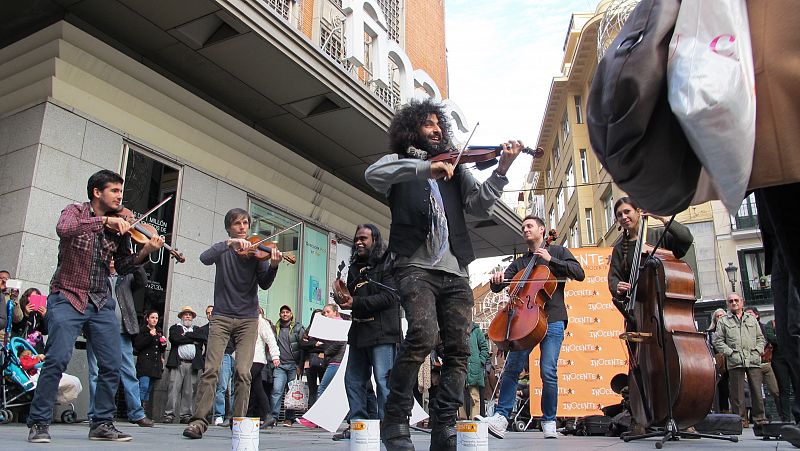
(776,58)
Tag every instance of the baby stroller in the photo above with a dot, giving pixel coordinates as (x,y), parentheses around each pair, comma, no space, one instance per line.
(16,386)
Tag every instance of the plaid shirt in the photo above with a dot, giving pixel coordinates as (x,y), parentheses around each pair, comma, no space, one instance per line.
(84,251)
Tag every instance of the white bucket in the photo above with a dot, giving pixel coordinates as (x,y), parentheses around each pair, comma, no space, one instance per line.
(365,435)
(472,436)
(245,434)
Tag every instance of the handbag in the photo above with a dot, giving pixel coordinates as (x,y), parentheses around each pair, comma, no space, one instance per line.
(296,396)
(712,93)
(632,129)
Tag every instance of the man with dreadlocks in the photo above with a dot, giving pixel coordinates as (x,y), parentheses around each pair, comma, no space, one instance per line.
(431,248)
(375,330)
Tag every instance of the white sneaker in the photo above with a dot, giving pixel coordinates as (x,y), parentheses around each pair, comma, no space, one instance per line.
(549,429)
(497,425)
(218,421)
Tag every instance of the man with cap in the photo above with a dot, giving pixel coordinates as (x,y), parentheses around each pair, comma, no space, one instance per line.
(288,333)
(184,361)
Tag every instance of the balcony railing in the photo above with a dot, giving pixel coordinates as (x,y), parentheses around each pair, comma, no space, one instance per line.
(744,222)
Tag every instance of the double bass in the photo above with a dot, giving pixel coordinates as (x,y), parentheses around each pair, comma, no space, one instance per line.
(663,341)
(522,323)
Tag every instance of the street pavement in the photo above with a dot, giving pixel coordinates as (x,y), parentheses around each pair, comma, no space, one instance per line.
(167,437)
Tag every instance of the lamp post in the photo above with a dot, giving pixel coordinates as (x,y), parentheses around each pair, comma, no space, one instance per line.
(731,271)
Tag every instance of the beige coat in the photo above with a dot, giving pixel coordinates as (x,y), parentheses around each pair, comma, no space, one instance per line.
(776,57)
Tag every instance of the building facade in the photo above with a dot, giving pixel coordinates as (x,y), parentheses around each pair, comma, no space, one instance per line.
(572,192)
(275,106)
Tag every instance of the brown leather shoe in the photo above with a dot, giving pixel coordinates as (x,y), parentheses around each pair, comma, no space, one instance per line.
(745,423)
(144,422)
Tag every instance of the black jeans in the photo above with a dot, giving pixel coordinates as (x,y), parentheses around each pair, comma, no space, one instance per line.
(259,406)
(435,302)
(780,226)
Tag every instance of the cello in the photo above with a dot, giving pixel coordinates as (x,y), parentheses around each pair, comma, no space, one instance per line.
(671,376)
(522,323)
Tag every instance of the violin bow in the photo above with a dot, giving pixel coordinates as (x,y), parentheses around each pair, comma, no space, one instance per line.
(276,234)
(150,211)
(464,147)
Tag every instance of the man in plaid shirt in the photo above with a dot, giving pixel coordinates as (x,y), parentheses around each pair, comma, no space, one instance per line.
(90,235)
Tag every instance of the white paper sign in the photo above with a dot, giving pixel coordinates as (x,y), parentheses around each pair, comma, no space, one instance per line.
(328,329)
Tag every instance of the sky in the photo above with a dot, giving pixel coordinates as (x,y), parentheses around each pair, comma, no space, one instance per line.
(502,57)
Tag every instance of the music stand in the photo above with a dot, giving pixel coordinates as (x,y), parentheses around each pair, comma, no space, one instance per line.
(670,431)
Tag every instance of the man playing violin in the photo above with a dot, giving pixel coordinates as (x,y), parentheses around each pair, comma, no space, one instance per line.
(431,248)
(562,265)
(238,277)
(89,236)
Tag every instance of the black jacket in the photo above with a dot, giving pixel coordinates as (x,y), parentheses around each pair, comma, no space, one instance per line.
(562,264)
(296,333)
(376,310)
(150,350)
(678,240)
(125,287)
(177,338)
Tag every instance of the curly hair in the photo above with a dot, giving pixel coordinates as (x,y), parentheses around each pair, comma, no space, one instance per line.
(404,129)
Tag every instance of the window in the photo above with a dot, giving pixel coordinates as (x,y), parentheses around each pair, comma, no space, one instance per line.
(574,235)
(570,181)
(565,125)
(549,175)
(608,209)
(284,289)
(584,167)
(552,218)
(556,153)
(589,226)
(391,10)
(560,203)
(747,216)
(578,110)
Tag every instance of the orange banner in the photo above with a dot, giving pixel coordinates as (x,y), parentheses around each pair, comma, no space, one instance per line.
(592,352)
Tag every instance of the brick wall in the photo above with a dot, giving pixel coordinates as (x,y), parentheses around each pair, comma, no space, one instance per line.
(425,39)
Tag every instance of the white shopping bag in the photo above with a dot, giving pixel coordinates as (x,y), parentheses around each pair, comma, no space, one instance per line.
(712,92)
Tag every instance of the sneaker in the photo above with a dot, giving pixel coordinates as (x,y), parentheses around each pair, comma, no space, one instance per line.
(344,435)
(39,433)
(143,422)
(218,421)
(107,431)
(549,429)
(287,423)
(186,420)
(307,423)
(168,419)
(497,425)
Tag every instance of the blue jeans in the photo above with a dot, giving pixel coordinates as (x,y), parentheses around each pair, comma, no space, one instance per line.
(280,377)
(224,381)
(144,388)
(550,348)
(361,364)
(127,375)
(64,325)
(330,371)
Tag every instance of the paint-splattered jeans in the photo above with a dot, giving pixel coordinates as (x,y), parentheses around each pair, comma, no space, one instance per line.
(435,303)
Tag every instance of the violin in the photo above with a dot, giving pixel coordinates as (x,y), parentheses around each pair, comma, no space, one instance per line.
(483,156)
(340,291)
(522,323)
(262,250)
(141,232)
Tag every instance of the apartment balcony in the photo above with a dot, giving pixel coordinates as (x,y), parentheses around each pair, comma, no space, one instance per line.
(746,222)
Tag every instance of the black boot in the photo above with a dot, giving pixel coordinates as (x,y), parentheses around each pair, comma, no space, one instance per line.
(396,435)
(443,435)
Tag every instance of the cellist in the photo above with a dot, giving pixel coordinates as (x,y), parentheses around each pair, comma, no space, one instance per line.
(563,265)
